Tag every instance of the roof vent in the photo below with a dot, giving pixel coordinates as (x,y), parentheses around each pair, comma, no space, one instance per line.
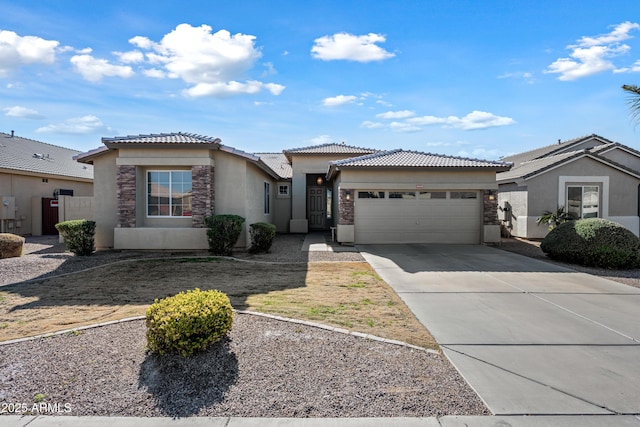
(12,133)
(38,156)
(559,141)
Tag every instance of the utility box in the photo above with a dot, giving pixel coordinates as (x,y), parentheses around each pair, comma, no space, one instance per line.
(7,207)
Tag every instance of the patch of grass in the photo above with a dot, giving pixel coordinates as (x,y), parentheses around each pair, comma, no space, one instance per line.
(3,297)
(320,292)
(40,397)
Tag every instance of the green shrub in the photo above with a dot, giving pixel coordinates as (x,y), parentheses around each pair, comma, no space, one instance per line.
(188,322)
(223,233)
(262,235)
(78,235)
(593,242)
(11,245)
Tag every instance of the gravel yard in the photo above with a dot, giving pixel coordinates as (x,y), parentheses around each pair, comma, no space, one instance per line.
(266,367)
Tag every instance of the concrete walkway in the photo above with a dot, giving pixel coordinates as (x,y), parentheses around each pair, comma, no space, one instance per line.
(530,337)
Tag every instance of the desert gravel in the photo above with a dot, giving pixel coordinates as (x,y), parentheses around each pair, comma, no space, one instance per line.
(266,368)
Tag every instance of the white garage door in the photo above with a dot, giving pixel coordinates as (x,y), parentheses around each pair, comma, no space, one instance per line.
(420,216)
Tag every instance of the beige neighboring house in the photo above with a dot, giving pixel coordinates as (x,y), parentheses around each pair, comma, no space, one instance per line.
(35,179)
(590,177)
(154,192)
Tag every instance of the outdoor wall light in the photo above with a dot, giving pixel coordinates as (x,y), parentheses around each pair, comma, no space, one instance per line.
(492,197)
(319,181)
(348,195)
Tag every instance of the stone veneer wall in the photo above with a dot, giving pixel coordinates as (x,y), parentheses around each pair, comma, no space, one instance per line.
(126,194)
(346,207)
(203,194)
(490,208)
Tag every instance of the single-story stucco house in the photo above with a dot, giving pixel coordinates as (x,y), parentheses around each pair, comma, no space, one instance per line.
(589,177)
(154,192)
(33,176)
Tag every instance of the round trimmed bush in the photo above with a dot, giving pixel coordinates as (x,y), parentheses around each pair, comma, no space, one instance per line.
(593,242)
(188,322)
(262,235)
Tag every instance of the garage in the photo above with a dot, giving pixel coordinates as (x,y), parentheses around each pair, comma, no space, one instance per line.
(421,216)
(403,196)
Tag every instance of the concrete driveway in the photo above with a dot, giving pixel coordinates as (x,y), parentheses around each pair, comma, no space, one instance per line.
(529,336)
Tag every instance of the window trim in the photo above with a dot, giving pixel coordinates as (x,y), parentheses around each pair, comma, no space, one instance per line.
(286,194)
(601,181)
(146,193)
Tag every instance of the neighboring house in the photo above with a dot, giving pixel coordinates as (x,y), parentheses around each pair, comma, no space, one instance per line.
(589,177)
(33,175)
(156,190)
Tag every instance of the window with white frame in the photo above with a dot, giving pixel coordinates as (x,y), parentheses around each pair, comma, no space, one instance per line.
(169,193)
(583,201)
(283,190)
(267,191)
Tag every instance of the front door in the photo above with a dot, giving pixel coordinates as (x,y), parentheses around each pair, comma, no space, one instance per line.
(316,205)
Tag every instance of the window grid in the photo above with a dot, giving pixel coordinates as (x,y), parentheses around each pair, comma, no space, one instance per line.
(169,194)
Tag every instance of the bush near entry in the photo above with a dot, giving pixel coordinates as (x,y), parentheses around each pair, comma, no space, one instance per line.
(223,233)
(78,235)
(262,235)
(593,242)
(188,322)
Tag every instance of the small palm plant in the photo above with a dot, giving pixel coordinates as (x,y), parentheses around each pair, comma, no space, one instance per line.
(554,219)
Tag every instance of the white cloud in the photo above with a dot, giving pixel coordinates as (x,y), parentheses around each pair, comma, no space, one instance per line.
(350,47)
(77,126)
(131,57)
(16,51)
(339,100)
(593,55)
(321,139)
(472,121)
(371,125)
(222,89)
(482,153)
(22,113)
(524,75)
(212,63)
(403,114)
(404,127)
(384,103)
(94,69)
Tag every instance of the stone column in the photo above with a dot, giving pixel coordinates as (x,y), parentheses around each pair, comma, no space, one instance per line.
(346,207)
(126,193)
(490,207)
(203,194)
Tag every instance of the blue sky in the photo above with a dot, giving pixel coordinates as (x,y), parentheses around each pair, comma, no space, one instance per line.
(480,79)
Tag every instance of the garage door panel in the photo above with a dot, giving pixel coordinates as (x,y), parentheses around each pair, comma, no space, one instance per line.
(418,220)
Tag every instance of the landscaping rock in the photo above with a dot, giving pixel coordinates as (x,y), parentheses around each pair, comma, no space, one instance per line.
(11,245)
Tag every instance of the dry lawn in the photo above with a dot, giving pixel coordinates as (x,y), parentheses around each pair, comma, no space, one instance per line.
(346,294)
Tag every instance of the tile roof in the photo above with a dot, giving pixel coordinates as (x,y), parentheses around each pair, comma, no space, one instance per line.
(532,167)
(552,149)
(278,163)
(330,148)
(162,138)
(537,166)
(28,155)
(402,158)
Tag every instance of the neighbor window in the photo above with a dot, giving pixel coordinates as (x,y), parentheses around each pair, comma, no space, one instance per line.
(267,191)
(583,201)
(169,193)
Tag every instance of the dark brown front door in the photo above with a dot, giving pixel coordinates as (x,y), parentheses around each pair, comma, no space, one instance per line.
(49,216)
(316,206)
